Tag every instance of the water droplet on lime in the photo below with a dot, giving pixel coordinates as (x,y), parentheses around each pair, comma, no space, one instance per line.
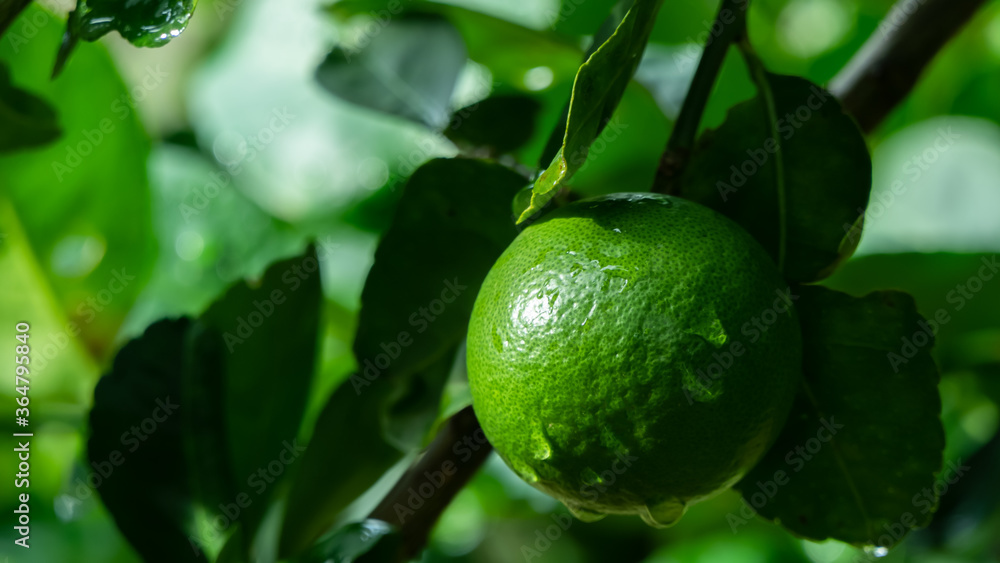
(585,514)
(663,514)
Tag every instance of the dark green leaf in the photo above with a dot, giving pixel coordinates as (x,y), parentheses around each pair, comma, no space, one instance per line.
(254,338)
(370,540)
(452,223)
(500,123)
(600,85)
(137,444)
(456,395)
(25,120)
(373,421)
(267,334)
(144,23)
(233,550)
(858,454)
(408,69)
(414,406)
(942,284)
(792,169)
(346,455)
(207,441)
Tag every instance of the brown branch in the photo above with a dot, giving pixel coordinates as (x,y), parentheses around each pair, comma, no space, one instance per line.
(889,64)
(729,24)
(420,496)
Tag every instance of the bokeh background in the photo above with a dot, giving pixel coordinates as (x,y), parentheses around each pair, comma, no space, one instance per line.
(235,97)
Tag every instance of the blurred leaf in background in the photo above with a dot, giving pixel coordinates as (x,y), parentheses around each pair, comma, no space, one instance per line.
(408,69)
(84,200)
(28,121)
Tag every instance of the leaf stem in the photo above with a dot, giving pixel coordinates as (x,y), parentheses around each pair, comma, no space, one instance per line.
(889,64)
(759,76)
(443,469)
(730,23)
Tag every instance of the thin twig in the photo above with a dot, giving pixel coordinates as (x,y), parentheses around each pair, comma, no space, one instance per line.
(889,64)
(729,24)
(417,500)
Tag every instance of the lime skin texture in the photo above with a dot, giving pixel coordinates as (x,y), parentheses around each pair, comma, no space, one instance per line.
(633,353)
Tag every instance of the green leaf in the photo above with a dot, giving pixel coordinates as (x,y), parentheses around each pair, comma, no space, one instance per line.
(207,441)
(456,395)
(624,157)
(612,18)
(26,120)
(233,550)
(521,201)
(452,222)
(267,333)
(408,69)
(940,283)
(864,439)
(507,49)
(412,408)
(242,374)
(144,23)
(582,18)
(350,427)
(137,444)
(792,169)
(376,423)
(599,86)
(499,123)
(65,380)
(369,540)
(90,228)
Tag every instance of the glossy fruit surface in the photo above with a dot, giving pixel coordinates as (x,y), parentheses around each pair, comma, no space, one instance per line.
(632,354)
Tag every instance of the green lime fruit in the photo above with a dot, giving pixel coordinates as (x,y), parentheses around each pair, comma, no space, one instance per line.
(633,354)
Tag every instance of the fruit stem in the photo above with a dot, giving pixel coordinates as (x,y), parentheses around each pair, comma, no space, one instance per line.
(729,25)
(889,64)
(441,469)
